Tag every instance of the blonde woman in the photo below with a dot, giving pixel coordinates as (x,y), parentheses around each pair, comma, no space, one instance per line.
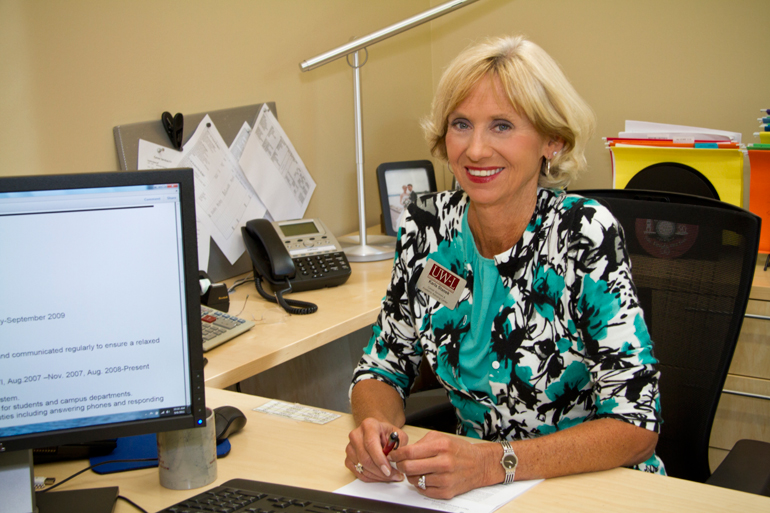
(543,348)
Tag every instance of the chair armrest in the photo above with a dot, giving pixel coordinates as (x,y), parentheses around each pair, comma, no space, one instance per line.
(745,468)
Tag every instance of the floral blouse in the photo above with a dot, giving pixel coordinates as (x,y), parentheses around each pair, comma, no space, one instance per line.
(544,336)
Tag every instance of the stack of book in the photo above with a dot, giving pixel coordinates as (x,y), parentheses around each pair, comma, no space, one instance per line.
(717,155)
(764,133)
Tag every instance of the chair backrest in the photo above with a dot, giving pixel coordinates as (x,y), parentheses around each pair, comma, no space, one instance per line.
(693,261)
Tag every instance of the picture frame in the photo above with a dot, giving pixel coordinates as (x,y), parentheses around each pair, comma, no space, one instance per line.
(401,183)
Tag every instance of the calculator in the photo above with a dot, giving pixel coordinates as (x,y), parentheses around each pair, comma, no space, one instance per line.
(219,327)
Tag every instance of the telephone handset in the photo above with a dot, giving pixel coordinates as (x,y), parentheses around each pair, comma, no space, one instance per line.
(268,254)
(294,256)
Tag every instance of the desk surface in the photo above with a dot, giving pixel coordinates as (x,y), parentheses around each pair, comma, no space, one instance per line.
(278,337)
(342,310)
(279,450)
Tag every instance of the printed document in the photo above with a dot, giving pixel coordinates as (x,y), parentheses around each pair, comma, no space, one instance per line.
(480,500)
(155,156)
(224,199)
(274,167)
(236,147)
(222,193)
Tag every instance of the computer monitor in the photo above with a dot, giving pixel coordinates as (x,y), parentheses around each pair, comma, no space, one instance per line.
(100,332)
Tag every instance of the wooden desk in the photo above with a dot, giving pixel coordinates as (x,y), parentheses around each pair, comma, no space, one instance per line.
(278,337)
(279,450)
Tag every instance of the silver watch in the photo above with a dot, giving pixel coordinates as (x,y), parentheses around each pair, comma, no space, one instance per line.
(509,461)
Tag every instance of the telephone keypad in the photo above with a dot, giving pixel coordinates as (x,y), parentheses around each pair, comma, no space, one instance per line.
(332,267)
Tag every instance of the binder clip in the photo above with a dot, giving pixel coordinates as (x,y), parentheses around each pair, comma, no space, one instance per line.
(174,127)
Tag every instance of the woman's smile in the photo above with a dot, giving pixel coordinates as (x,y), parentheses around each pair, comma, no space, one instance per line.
(479,172)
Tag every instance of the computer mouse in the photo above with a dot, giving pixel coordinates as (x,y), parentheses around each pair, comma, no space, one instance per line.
(229,420)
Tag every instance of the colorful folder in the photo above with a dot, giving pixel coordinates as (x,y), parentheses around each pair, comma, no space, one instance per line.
(759,194)
(722,167)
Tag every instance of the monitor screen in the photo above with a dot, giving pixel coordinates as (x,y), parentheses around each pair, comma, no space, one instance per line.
(100,333)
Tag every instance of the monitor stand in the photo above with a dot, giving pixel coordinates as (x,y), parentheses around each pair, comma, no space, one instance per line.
(17,485)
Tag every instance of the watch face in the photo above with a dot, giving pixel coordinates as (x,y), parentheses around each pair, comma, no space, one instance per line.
(510,461)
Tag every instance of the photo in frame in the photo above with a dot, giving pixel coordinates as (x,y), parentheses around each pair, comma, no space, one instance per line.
(400,184)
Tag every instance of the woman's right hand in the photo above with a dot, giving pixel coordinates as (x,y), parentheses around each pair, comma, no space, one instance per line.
(365,448)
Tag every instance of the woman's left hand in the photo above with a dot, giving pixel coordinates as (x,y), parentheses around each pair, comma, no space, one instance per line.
(450,465)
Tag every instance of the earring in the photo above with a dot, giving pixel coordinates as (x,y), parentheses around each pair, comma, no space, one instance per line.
(548,163)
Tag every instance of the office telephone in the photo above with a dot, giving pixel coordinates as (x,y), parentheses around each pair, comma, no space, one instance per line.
(294,256)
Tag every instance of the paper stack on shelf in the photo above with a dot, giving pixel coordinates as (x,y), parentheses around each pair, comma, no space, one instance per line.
(759,193)
(715,155)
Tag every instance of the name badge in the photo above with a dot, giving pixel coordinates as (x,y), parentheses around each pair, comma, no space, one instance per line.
(441,284)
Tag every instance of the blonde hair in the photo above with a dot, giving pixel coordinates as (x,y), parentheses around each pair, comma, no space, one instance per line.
(536,87)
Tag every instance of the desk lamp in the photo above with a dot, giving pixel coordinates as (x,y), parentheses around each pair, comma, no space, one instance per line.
(357,247)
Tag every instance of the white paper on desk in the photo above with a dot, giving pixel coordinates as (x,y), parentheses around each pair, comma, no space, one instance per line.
(274,167)
(480,500)
(224,199)
(155,156)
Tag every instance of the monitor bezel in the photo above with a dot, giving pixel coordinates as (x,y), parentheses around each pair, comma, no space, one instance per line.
(185,179)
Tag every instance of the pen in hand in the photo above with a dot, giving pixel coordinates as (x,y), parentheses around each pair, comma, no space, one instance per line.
(392,444)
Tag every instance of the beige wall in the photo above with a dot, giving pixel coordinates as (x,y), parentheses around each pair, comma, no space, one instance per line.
(702,63)
(70,71)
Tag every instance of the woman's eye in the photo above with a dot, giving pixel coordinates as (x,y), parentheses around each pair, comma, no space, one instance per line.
(503,127)
(460,124)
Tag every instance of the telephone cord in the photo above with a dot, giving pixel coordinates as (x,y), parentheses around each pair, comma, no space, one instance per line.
(292,306)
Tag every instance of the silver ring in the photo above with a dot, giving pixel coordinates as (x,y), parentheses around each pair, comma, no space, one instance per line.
(421,482)
(359,468)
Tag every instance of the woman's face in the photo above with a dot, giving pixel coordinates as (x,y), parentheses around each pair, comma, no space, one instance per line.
(495,154)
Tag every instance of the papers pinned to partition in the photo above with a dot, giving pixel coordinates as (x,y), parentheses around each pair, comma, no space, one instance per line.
(271,163)
(225,196)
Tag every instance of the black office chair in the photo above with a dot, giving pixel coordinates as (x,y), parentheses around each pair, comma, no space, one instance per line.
(693,263)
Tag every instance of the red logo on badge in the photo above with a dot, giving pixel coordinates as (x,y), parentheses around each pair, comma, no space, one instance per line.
(444,277)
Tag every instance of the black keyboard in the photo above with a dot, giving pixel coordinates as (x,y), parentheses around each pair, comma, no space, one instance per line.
(243,495)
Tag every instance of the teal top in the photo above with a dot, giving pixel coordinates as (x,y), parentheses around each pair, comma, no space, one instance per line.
(488,292)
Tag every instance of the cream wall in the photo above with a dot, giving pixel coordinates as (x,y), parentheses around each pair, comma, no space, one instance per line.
(70,71)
